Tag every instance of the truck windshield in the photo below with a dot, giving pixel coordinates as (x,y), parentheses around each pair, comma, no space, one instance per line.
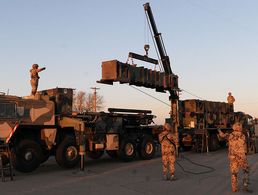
(7,110)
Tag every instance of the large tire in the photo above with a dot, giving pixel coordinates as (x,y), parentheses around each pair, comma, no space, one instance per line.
(95,154)
(112,153)
(67,153)
(127,150)
(146,148)
(27,156)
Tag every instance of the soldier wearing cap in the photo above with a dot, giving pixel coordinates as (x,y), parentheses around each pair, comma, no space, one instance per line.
(231,101)
(237,155)
(168,142)
(35,77)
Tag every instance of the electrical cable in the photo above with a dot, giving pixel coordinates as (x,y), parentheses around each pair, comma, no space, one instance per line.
(238,104)
(210,169)
(192,94)
(161,100)
(149,95)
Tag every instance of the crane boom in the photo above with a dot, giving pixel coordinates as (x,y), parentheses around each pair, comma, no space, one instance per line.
(167,69)
(158,38)
(162,52)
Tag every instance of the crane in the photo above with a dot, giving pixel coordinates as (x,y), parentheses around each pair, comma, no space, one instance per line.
(164,58)
(114,70)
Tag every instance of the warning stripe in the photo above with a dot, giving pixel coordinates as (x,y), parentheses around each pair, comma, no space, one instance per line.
(12,132)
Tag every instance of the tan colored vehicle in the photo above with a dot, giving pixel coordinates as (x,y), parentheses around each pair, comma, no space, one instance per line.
(43,125)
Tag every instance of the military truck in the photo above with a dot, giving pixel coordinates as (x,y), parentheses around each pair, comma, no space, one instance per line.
(36,127)
(199,121)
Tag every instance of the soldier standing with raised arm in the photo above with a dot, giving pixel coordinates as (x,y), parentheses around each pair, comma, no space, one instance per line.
(237,155)
(168,142)
(35,78)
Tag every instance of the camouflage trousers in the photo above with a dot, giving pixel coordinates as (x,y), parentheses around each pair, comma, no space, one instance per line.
(235,164)
(168,161)
(34,86)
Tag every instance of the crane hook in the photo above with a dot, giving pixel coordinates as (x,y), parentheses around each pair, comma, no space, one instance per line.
(146,48)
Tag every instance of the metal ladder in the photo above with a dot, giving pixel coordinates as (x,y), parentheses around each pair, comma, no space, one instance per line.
(201,140)
(6,167)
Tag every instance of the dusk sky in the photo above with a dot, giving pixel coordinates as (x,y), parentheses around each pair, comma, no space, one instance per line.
(212,45)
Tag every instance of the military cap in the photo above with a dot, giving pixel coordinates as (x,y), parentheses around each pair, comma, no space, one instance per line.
(35,65)
(167,127)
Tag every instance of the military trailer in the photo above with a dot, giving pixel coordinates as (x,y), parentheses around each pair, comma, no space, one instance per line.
(36,127)
(199,121)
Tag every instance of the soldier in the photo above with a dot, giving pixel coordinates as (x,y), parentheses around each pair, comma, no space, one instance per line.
(230,98)
(237,155)
(35,77)
(168,142)
(231,101)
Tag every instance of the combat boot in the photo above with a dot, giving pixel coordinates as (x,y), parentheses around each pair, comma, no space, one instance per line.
(172,178)
(245,188)
(165,177)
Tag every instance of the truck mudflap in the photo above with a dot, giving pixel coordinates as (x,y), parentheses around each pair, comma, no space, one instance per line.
(49,136)
(7,130)
(68,145)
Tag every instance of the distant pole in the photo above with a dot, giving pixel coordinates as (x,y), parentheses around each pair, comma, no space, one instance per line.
(94,98)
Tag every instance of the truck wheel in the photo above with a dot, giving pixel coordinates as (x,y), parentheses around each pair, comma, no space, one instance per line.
(112,153)
(67,153)
(27,156)
(127,151)
(95,154)
(147,148)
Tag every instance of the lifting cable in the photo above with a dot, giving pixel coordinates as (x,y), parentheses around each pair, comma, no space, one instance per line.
(155,46)
(146,34)
(162,100)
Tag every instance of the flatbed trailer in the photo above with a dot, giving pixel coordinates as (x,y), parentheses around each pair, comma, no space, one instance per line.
(36,127)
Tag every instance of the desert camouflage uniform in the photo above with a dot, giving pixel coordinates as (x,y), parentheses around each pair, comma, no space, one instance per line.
(168,149)
(231,101)
(237,155)
(35,78)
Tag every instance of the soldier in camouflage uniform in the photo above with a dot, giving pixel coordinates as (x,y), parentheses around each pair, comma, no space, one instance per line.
(230,98)
(35,77)
(231,101)
(168,142)
(237,155)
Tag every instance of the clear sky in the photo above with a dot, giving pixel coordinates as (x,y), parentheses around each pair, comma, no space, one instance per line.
(212,44)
